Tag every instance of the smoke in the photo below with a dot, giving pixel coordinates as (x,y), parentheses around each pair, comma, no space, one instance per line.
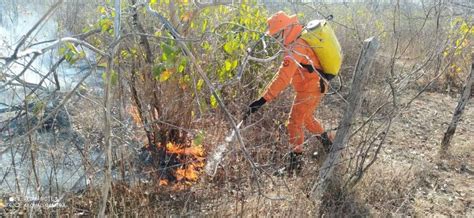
(17,17)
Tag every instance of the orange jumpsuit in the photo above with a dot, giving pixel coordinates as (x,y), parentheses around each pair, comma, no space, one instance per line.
(306,86)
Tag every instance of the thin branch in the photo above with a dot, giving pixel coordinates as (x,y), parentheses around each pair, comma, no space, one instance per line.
(106,188)
(54,44)
(42,19)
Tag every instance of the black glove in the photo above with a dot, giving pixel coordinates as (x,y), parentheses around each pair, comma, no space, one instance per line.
(255,106)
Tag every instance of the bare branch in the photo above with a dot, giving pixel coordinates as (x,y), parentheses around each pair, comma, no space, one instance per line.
(44,18)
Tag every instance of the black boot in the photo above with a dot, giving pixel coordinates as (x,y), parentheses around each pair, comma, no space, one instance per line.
(327,143)
(295,163)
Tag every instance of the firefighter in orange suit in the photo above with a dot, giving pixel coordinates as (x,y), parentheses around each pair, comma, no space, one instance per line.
(301,69)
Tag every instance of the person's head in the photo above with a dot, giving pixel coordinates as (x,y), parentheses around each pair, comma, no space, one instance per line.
(282,25)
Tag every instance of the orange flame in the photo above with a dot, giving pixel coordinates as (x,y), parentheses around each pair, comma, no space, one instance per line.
(163,182)
(189,173)
(194,151)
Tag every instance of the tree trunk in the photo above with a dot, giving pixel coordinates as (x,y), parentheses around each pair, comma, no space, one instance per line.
(466,93)
(143,39)
(359,79)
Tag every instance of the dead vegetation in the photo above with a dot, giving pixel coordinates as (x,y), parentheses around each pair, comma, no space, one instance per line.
(167,90)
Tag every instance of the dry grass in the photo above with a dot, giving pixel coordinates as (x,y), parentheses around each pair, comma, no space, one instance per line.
(407,179)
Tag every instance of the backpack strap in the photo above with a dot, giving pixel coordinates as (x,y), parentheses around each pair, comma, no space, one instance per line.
(310,69)
(327,76)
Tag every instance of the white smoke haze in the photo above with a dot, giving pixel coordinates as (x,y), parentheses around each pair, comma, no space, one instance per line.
(16,19)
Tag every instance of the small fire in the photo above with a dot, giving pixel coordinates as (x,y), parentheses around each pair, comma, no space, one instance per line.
(189,173)
(187,160)
(163,182)
(195,150)
(192,159)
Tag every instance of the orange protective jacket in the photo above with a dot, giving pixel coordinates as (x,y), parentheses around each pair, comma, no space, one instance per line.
(306,85)
(292,72)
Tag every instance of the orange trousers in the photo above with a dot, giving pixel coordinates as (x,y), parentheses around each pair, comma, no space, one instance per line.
(301,115)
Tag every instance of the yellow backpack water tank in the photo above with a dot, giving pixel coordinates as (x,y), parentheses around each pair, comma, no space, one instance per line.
(320,36)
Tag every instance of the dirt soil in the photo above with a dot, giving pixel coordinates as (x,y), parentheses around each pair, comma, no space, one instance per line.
(445,187)
(407,179)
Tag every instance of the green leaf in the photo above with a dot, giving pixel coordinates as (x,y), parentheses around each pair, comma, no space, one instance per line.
(245,37)
(69,56)
(213,101)
(182,65)
(71,47)
(169,54)
(234,64)
(124,54)
(105,24)
(254,36)
(221,74)
(204,26)
(62,50)
(206,46)
(228,65)
(199,84)
(167,49)
(102,9)
(158,69)
(181,68)
(230,46)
